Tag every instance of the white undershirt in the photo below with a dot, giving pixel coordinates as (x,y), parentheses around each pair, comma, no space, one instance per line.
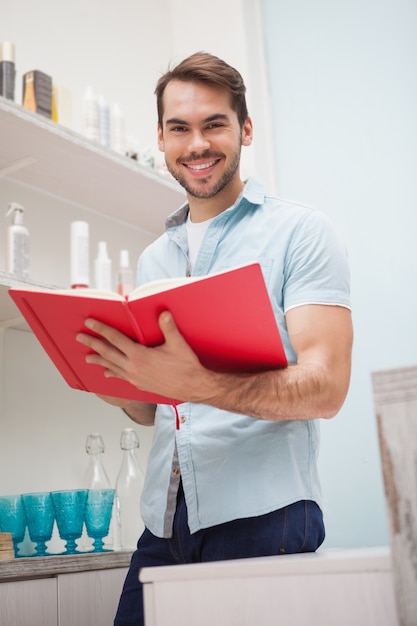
(195,235)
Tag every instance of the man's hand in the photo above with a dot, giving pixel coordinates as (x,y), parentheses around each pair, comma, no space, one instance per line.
(168,369)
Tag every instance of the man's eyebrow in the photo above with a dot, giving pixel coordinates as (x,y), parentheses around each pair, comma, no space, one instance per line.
(211,118)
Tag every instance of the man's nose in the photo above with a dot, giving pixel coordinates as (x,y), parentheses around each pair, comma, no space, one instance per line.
(198,142)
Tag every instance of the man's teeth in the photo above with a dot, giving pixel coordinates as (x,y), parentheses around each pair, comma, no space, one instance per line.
(202,166)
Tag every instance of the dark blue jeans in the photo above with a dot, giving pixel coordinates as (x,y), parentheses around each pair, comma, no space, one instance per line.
(292,529)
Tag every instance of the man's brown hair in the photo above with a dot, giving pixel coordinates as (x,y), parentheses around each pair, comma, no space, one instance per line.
(202,67)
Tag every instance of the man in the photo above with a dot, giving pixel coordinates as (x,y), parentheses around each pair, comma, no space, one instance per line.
(238,477)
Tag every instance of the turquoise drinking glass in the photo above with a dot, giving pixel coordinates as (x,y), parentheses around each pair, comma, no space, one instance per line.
(13,519)
(69,507)
(40,519)
(98,515)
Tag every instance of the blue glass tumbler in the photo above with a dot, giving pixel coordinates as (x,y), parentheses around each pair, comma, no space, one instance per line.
(98,515)
(69,507)
(13,519)
(40,519)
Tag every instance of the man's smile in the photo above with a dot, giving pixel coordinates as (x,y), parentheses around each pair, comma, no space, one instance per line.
(200,166)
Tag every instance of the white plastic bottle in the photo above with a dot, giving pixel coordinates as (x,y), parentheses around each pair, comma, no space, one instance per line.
(124,275)
(104,122)
(91,115)
(118,131)
(80,255)
(129,485)
(17,261)
(102,268)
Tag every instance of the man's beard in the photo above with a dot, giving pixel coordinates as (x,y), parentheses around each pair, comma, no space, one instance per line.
(202,188)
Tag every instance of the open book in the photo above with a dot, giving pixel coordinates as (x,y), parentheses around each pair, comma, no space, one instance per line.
(227,319)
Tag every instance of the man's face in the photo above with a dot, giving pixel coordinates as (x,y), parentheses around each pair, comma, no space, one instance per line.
(201,137)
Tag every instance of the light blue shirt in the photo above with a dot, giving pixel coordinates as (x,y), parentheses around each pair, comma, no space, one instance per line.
(235,466)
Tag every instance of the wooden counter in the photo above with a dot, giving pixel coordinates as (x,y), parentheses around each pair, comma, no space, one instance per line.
(26,568)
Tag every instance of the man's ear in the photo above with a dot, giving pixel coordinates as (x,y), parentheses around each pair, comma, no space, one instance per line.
(161,144)
(247,132)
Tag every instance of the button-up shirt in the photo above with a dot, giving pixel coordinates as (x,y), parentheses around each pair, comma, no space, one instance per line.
(234,466)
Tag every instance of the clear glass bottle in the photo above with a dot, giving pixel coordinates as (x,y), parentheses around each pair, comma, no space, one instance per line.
(95,476)
(129,485)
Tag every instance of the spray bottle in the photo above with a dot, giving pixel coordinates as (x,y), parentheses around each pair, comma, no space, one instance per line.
(17,259)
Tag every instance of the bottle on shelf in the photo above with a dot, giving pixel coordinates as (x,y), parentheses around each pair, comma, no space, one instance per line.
(124,275)
(118,132)
(7,70)
(80,256)
(95,476)
(129,485)
(104,121)
(91,115)
(102,268)
(17,242)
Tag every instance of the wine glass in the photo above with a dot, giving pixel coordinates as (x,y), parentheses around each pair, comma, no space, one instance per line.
(98,515)
(13,519)
(69,507)
(40,519)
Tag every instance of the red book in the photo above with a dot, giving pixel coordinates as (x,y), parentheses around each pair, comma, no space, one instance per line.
(227,319)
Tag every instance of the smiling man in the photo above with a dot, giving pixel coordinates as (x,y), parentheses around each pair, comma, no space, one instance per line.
(238,476)
(202,138)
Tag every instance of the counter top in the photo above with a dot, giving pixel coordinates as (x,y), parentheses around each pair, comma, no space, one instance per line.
(24,568)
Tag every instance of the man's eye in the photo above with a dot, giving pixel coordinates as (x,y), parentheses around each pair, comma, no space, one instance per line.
(178,129)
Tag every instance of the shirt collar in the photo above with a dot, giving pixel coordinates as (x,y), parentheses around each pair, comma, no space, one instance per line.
(253,192)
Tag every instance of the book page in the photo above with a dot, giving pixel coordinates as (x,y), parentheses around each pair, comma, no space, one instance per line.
(163,284)
(88,292)
(157,286)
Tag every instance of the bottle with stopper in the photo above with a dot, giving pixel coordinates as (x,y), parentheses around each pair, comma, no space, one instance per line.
(129,485)
(95,476)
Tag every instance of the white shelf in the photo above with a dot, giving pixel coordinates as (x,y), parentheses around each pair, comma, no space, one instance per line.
(9,313)
(46,156)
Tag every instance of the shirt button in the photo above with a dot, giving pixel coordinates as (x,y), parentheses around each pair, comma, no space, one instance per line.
(182,419)
(175,471)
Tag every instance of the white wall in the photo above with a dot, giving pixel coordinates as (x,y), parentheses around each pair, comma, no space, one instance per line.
(344,89)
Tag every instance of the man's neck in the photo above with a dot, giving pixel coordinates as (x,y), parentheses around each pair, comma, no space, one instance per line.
(202,209)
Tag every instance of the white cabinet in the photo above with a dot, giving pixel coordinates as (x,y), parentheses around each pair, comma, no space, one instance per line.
(328,588)
(31,602)
(73,590)
(89,597)
(64,600)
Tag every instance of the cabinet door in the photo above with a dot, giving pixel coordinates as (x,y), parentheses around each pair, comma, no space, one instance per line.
(31,602)
(90,597)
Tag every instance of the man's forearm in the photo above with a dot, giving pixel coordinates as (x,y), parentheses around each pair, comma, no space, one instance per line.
(297,392)
(140,412)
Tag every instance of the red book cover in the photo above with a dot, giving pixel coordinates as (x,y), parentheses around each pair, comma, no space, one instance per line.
(227,319)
